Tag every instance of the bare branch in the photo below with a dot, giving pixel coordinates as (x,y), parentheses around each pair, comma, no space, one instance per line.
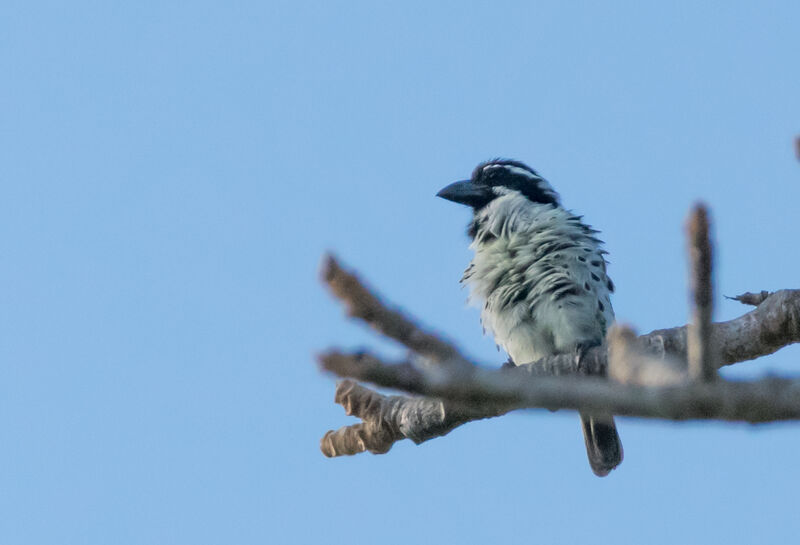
(700,356)
(498,391)
(361,303)
(466,392)
(753,299)
(387,419)
(774,324)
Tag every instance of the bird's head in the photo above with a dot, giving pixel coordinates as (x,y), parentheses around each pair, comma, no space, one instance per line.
(497,178)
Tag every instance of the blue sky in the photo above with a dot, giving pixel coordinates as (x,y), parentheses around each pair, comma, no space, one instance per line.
(171,174)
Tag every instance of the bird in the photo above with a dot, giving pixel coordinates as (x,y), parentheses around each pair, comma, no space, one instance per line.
(539,274)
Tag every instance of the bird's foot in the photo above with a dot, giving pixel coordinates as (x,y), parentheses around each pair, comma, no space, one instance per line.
(581,349)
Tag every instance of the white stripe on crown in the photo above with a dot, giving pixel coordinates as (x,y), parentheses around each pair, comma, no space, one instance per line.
(514,170)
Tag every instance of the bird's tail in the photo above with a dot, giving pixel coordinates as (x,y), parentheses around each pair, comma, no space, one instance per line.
(603,446)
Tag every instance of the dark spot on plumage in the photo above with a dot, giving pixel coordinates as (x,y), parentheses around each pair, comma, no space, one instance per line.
(487,236)
(574,290)
(595,277)
(551,247)
(498,281)
(564,266)
(600,306)
(512,253)
(587,249)
(563,246)
(587,286)
(561,285)
(581,259)
(594,263)
(521,294)
(610,285)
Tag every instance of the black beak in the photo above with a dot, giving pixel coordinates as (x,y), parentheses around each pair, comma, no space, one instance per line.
(466,192)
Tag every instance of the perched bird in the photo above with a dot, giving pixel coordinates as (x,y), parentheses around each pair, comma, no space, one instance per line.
(540,274)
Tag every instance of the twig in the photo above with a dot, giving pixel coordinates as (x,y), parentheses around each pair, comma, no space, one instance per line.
(700,356)
(364,305)
(388,419)
(375,433)
(753,299)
